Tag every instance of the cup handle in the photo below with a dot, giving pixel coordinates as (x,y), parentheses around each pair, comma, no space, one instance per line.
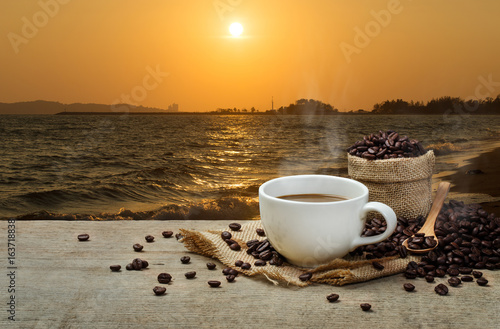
(390,218)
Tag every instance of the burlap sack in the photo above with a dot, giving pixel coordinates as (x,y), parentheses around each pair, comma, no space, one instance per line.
(337,272)
(404,184)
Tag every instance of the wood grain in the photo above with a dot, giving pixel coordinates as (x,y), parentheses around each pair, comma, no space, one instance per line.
(64,283)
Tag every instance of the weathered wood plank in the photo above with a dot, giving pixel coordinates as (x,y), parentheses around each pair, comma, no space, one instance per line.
(64,283)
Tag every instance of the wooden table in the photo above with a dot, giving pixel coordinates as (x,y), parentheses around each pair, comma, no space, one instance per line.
(63,283)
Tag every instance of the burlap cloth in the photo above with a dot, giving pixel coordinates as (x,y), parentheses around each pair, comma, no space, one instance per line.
(338,272)
(404,184)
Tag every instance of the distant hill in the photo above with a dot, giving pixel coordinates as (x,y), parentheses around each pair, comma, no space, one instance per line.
(47,107)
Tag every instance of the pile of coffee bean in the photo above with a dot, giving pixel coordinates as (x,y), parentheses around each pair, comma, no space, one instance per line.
(386,145)
(137,264)
(469,239)
(393,245)
(226,236)
(263,251)
(420,241)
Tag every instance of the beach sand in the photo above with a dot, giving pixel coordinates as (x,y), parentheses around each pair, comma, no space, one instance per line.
(487,182)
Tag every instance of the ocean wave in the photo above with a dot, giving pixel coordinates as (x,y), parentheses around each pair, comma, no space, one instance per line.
(232,208)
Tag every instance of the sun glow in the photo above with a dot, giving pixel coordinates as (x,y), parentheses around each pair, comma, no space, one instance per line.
(236,29)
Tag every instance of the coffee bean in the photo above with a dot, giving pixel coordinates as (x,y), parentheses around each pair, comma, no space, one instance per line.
(408,287)
(467,278)
(365,307)
(378,266)
(429,278)
(416,240)
(402,251)
(129,267)
(226,235)
(238,263)
(260,262)
(115,268)
(149,238)
(477,274)
(260,232)
(164,278)
(235,226)
(137,264)
(185,259)
(252,243)
(266,255)
(235,246)
(145,263)
(369,156)
(190,275)
(178,236)
(211,266)
(332,298)
(465,270)
(410,274)
(138,247)
(230,278)
(167,234)
(262,246)
(454,281)
(276,260)
(230,241)
(453,272)
(214,283)
(305,277)
(441,289)
(226,270)
(482,281)
(429,242)
(159,290)
(83,237)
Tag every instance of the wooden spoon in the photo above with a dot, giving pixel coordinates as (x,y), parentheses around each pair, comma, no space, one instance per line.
(428,227)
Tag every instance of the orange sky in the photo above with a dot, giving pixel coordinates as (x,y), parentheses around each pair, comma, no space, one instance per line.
(102,51)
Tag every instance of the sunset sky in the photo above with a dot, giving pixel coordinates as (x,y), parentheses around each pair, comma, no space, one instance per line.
(351,54)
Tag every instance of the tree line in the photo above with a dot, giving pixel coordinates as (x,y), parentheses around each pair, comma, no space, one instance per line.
(442,105)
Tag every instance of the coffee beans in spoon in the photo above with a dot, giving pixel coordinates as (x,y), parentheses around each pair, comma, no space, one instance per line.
(386,145)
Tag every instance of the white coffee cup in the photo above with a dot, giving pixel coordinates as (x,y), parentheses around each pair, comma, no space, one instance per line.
(312,233)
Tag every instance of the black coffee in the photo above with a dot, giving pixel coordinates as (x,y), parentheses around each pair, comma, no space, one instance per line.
(313,197)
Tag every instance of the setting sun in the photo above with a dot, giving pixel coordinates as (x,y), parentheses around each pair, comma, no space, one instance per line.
(236,29)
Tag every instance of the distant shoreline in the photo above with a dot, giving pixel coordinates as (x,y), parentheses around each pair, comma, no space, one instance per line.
(446,106)
(247,113)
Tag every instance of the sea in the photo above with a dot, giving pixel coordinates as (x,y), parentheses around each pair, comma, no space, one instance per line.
(185,167)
